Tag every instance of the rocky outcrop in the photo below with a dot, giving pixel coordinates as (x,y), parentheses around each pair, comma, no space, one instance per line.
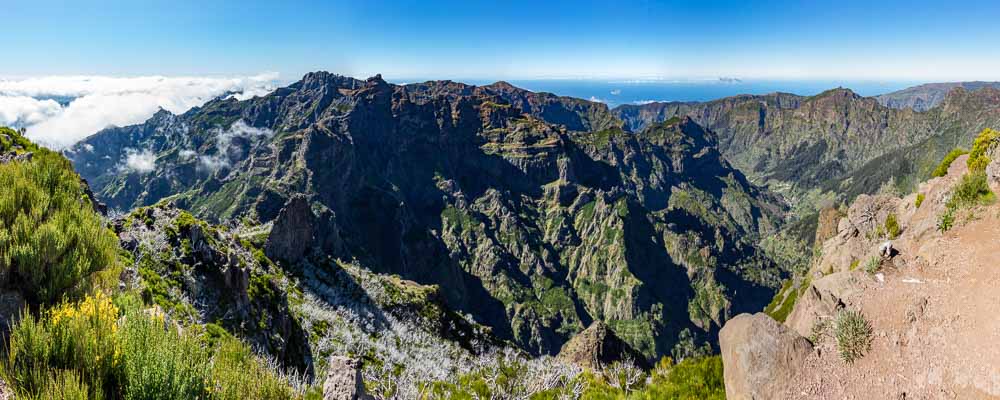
(343,380)
(201,273)
(761,356)
(824,298)
(597,347)
(293,231)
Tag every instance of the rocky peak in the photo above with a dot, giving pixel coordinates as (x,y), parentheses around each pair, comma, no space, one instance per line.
(598,346)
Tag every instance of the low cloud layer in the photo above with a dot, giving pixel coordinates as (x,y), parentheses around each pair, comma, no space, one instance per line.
(59,111)
(139,161)
(224,139)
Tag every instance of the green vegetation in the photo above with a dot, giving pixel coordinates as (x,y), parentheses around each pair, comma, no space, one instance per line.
(946,221)
(892,226)
(52,242)
(920,200)
(971,190)
(942,168)
(112,348)
(873,264)
(783,301)
(978,159)
(854,335)
(692,378)
(81,338)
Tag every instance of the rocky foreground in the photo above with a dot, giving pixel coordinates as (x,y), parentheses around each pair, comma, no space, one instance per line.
(930,298)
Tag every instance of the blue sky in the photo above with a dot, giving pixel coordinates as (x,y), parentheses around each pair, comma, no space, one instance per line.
(468,39)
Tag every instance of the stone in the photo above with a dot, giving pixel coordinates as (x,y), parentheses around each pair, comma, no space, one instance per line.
(760,356)
(343,380)
(886,250)
(598,346)
(293,231)
(822,299)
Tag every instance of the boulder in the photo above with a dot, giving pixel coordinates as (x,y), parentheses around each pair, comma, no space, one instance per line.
(597,346)
(760,356)
(343,380)
(823,299)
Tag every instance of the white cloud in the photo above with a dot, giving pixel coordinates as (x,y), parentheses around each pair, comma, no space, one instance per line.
(224,139)
(186,154)
(597,100)
(644,102)
(615,92)
(213,163)
(141,162)
(98,102)
(23,110)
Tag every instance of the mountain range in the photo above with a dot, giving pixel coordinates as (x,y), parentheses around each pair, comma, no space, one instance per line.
(534,214)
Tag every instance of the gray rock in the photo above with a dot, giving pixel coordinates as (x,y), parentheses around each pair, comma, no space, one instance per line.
(293,231)
(11,305)
(760,356)
(343,380)
(823,299)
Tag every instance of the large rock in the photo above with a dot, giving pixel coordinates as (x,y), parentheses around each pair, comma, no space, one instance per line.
(597,346)
(824,298)
(343,380)
(293,231)
(760,356)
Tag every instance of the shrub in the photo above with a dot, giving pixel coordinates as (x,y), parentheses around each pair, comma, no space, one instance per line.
(942,168)
(52,242)
(972,190)
(946,221)
(891,226)
(920,200)
(978,160)
(854,335)
(873,264)
(79,337)
(96,348)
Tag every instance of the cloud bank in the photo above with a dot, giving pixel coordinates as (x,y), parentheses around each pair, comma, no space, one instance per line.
(223,140)
(96,102)
(142,162)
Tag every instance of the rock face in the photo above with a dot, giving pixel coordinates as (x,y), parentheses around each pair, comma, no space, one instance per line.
(202,273)
(343,380)
(535,213)
(760,355)
(824,298)
(291,236)
(598,346)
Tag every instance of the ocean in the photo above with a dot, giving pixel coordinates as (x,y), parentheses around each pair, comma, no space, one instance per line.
(618,92)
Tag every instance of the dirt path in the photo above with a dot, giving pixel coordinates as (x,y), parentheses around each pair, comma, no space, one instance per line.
(936,320)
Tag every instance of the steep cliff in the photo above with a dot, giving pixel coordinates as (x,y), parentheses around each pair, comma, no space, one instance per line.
(535,213)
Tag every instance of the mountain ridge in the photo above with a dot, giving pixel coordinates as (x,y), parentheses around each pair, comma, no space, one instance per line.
(536,213)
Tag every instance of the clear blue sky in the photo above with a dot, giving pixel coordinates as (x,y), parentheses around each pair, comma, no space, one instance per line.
(469,39)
